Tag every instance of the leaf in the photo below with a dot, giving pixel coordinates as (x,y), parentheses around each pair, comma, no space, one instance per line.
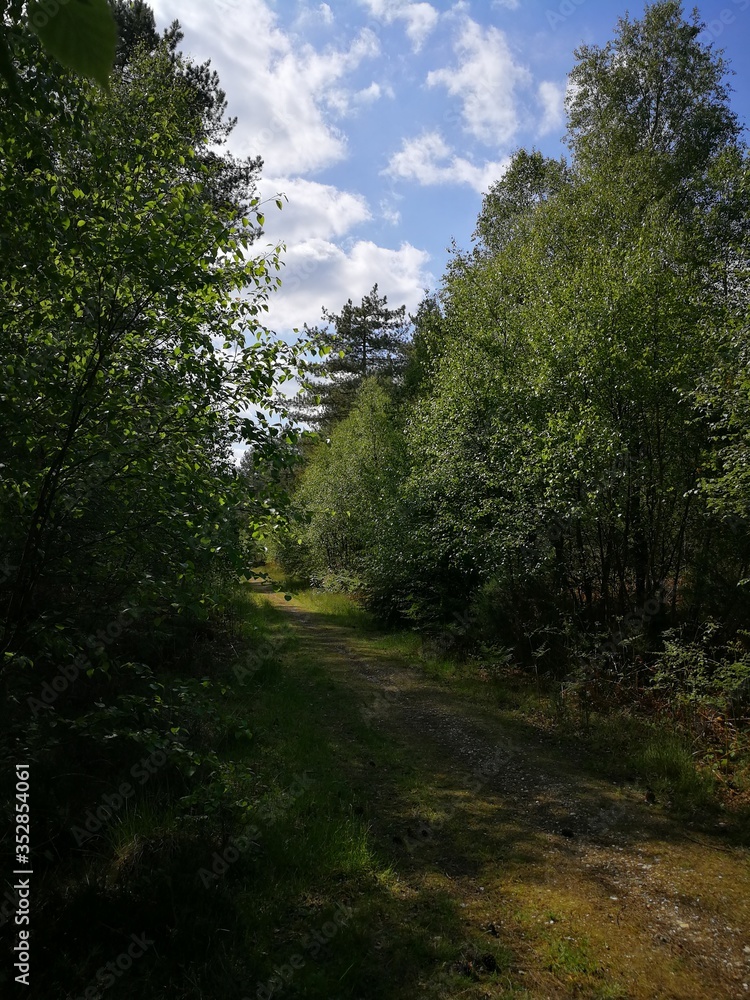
(7,70)
(81,35)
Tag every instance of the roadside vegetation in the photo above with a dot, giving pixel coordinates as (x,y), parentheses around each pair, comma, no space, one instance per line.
(555,484)
(523,515)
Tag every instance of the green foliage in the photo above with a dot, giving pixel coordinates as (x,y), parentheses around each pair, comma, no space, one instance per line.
(136,27)
(130,358)
(575,403)
(133,360)
(705,672)
(652,97)
(554,443)
(367,340)
(348,498)
(80,34)
(530,180)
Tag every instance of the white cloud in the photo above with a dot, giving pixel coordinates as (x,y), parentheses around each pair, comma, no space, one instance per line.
(552,98)
(346,102)
(308,16)
(420,18)
(372,93)
(312,210)
(318,273)
(429,160)
(277,86)
(389,213)
(283,91)
(485,80)
(506,4)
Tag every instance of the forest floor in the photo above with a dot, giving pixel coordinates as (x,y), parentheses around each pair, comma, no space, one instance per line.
(520,863)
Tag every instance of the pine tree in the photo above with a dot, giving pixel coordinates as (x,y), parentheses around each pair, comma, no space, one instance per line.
(368,339)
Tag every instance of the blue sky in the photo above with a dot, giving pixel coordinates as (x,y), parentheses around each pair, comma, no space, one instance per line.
(384,121)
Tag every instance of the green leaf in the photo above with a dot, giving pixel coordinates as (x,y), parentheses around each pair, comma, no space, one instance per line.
(7,70)
(81,35)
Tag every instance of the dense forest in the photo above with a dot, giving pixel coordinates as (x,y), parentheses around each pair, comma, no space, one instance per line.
(543,473)
(555,464)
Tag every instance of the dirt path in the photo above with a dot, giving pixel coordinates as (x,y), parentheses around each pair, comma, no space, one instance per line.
(594,891)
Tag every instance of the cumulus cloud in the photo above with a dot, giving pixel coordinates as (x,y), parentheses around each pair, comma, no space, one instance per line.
(308,16)
(429,160)
(372,93)
(389,213)
(311,210)
(278,87)
(552,99)
(346,102)
(319,273)
(420,18)
(485,80)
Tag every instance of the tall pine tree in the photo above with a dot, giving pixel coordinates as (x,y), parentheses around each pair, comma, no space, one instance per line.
(365,340)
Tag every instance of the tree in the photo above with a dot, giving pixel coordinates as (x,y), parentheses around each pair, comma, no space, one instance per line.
(348,497)
(575,407)
(136,28)
(230,181)
(556,450)
(427,345)
(654,98)
(80,34)
(529,180)
(130,360)
(366,340)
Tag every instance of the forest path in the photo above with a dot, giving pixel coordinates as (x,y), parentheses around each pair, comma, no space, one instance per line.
(588,889)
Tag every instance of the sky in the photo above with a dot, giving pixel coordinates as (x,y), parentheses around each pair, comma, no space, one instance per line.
(383,122)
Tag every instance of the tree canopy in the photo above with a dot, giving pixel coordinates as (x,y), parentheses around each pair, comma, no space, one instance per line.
(365,340)
(571,432)
(133,364)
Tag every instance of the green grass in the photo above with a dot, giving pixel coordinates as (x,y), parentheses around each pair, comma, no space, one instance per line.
(399,944)
(571,958)
(225,917)
(317,794)
(267,919)
(639,750)
(337,609)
